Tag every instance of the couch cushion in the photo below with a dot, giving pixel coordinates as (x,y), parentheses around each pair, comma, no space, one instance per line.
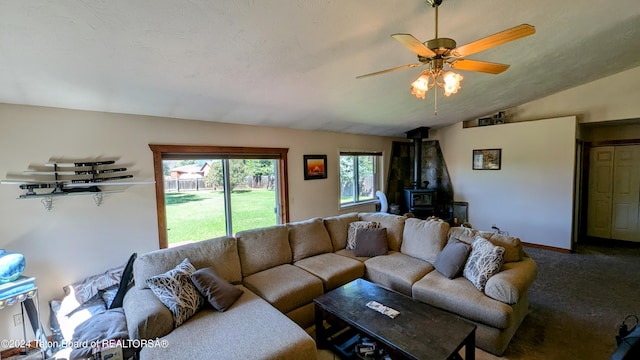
(424,239)
(513,250)
(396,271)
(337,227)
(221,254)
(286,287)
(263,248)
(451,260)
(218,292)
(333,269)
(351,254)
(147,317)
(460,297)
(393,223)
(237,334)
(511,284)
(308,238)
(484,261)
(176,291)
(371,242)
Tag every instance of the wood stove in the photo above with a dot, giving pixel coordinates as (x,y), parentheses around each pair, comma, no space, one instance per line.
(420,199)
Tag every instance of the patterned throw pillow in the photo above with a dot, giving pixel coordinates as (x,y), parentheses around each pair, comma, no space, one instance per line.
(353,229)
(484,261)
(176,291)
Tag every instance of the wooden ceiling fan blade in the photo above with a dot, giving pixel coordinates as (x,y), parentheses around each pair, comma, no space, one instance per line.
(390,70)
(490,41)
(413,44)
(479,66)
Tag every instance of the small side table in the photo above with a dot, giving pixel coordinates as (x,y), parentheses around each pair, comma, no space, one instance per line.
(24,291)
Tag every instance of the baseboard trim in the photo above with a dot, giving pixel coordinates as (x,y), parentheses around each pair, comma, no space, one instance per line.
(545,247)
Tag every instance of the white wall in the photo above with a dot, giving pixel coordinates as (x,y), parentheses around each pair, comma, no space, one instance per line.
(531,197)
(76,239)
(611,98)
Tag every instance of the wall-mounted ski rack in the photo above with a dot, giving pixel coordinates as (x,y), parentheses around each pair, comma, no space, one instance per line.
(74,178)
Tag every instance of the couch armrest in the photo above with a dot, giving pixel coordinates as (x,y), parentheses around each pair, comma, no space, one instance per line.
(513,281)
(147,317)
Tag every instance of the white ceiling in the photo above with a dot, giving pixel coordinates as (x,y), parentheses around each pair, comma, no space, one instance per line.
(293,63)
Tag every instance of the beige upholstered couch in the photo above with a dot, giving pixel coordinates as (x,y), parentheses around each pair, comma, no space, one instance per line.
(281,269)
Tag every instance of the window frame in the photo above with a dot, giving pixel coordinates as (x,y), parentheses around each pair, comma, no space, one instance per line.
(377,166)
(166,152)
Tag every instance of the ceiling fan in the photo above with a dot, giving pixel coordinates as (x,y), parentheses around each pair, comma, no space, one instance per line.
(440,51)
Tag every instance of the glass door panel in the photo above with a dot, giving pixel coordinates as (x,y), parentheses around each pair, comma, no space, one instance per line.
(198,205)
(253,195)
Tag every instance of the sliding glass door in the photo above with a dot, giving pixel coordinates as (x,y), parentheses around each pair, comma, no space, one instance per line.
(217,194)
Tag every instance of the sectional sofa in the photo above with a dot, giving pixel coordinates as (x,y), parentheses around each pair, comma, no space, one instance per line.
(281,269)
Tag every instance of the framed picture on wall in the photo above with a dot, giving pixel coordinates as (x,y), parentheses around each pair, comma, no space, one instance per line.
(315,167)
(487,159)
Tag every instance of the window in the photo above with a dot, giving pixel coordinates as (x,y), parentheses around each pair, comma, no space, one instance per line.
(204,192)
(358,176)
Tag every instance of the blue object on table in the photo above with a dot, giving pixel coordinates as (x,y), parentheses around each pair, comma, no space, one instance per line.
(11,266)
(17,291)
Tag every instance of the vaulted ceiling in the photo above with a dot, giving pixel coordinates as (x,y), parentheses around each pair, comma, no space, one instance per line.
(293,63)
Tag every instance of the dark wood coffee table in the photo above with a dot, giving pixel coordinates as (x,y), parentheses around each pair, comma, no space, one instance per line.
(419,332)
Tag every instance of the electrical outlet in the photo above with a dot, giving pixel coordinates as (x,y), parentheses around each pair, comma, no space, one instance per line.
(17,319)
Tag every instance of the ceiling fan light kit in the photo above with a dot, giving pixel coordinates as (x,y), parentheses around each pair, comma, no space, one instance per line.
(438,52)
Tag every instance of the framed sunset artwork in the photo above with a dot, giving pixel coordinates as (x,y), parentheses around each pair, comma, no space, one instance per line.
(315,167)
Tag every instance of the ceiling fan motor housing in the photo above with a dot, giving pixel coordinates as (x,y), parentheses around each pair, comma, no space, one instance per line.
(441,45)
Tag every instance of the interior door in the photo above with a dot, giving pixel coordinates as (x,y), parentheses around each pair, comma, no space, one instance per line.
(626,190)
(600,191)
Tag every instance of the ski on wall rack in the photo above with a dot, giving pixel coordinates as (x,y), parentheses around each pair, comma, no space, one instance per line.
(76,177)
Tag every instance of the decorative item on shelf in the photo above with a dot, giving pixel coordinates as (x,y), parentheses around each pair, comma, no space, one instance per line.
(73,178)
(11,266)
(485,121)
(495,119)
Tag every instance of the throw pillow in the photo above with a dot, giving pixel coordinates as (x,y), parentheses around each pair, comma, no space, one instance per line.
(371,242)
(484,261)
(353,228)
(218,291)
(452,258)
(176,291)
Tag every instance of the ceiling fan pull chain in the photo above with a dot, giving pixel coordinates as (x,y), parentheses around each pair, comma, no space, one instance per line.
(435,101)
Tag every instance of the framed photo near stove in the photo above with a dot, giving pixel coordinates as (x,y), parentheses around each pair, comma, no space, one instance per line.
(315,167)
(487,159)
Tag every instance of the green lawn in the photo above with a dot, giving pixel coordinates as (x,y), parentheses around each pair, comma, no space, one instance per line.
(193,216)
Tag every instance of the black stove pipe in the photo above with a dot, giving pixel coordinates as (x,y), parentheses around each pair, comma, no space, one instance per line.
(417,135)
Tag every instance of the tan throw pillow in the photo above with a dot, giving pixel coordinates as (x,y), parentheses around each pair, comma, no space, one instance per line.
(371,242)
(218,291)
(485,260)
(176,291)
(353,228)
